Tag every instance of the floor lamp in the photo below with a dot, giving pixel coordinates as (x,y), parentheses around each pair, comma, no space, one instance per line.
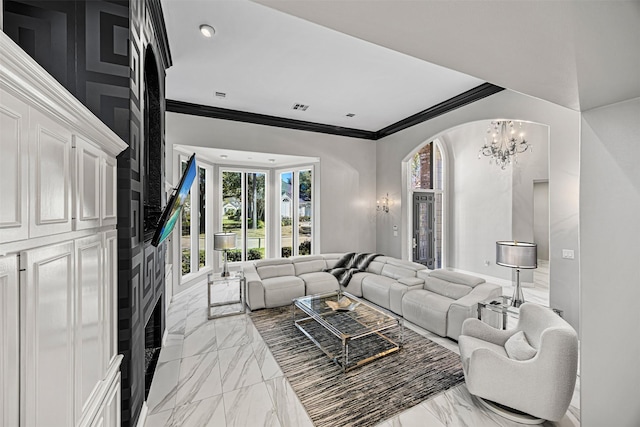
(224,242)
(518,255)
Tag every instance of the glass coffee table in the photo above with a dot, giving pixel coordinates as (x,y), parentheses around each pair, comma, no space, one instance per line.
(351,337)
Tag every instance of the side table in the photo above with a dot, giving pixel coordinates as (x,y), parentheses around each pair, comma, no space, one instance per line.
(226,292)
(502,306)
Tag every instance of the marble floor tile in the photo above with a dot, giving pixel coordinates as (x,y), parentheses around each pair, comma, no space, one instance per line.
(418,416)
(170,352)
(231,331)
(290,411)
(196,319)
(199,378)
(200,340)
(202,413)
(238,367)
(158,419)
(268,365)
(250,407)
(162,395)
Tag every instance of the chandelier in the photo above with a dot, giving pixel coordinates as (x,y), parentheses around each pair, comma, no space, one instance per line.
(502,143)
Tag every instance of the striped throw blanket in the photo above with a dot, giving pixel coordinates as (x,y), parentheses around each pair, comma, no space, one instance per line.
(350,264)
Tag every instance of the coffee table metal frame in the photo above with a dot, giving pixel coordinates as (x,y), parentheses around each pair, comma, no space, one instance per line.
(365,320)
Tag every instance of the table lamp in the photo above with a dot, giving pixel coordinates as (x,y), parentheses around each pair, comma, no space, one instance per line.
(224,242)
(518,255)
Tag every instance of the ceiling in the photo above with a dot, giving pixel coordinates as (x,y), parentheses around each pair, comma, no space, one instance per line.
(574,53)
(226,157)
(266,61)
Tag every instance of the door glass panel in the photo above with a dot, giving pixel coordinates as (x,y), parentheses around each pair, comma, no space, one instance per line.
(256,230)
(286,213)
(304,212)
(232,211)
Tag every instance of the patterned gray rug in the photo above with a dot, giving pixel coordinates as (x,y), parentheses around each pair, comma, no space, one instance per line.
(366,395)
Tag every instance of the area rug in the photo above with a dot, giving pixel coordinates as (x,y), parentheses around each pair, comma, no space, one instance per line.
(366,395)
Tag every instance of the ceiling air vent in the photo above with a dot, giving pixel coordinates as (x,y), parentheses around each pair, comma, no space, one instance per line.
(300,107)
(350,114)
(221,95)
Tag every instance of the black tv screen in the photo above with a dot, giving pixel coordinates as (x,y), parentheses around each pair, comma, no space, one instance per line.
(171,213)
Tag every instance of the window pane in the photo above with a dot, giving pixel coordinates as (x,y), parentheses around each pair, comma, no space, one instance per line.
(438,230)
(232,211)
(437,168)
(185,233)
(304,212)
(286,213)
(421,168)
(256,231)
(202,250)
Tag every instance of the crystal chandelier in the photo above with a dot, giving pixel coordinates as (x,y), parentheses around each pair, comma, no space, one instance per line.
(502,143)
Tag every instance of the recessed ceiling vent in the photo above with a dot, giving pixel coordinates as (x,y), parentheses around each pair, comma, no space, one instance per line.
(350,114)
(221,95)
(300,107)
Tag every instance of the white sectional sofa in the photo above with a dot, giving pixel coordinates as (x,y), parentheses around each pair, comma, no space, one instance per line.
(438,301)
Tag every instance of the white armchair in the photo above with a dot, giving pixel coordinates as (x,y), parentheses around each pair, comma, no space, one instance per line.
(542,382)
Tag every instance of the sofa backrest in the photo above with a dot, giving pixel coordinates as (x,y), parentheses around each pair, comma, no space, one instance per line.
(308,264)
(274,267)
(451,284)
(332,259)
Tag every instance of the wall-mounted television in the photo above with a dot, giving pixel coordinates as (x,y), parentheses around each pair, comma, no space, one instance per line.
(171,213)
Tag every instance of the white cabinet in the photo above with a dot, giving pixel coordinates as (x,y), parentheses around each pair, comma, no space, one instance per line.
(47,319)
(58,270)
(9,330)
(49,176)
(14,122)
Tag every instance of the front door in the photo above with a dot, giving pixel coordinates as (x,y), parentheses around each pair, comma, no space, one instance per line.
(423,229)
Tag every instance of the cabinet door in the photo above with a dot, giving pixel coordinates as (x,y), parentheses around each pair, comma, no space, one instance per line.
(14,173)
(109,190)
(111,296)
(9,362)
(50,176)
(87,184)
(89,363)
(47,351)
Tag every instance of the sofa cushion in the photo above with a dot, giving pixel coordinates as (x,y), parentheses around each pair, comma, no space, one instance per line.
(376,266)
(454,276)
(319,283)
(279,291)
(354,286)
(376,289)
(410,281)
(427,309)
(518,348)
(276,270)
(308,264)
(469,344)
(445,288)
(396,271)
(406,264)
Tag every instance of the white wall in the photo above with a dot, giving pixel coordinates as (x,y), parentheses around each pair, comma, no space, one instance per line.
(347,171)
(487,203)
(564,134)
(610,276)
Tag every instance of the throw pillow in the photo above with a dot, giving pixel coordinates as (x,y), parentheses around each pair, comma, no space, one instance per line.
(518,348)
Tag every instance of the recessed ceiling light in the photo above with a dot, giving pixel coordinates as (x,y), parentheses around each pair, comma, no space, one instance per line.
(207,30)
(223,156)
(272,160)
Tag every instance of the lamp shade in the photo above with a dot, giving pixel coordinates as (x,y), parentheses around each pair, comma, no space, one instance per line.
(517,254)
(224,241)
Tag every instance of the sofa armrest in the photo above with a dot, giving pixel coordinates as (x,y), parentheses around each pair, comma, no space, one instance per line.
(411,281)
(255,288)
(467,307)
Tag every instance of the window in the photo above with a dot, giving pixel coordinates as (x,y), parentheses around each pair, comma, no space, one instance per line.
(195,230)
(296,212)
(244,213)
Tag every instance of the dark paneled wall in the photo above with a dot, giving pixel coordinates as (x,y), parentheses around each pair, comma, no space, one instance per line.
(96,49)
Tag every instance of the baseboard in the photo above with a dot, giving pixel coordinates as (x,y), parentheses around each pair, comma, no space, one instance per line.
(143,415)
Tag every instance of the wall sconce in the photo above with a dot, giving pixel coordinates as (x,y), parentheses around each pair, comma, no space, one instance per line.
(384,206)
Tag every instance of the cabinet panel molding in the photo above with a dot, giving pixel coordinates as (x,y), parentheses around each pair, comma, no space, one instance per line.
(88,187)
(47,317)
(9,341)
(109,195)
(14,122)
(50,176)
